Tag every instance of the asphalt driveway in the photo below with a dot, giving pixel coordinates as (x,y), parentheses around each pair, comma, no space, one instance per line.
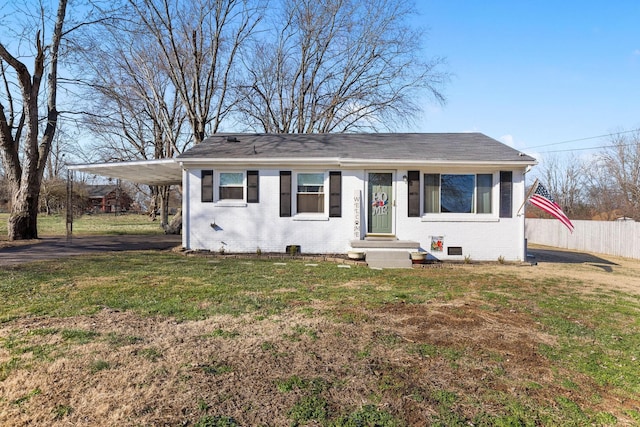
(57,247)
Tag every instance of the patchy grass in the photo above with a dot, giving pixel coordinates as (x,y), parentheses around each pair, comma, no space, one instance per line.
(170,285)
(162,339)
(99,365)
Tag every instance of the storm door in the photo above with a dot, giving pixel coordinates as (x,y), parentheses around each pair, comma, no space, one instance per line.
(380,201)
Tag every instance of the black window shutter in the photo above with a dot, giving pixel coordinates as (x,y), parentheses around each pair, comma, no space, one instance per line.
(253,187)
(413,182)
(335,194)
(506,194)
(285,193)
(206,186)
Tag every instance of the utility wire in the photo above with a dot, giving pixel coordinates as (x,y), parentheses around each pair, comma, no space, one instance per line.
(581,139)
(585,149)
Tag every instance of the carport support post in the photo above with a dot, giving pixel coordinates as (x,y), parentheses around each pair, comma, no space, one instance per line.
(69,205)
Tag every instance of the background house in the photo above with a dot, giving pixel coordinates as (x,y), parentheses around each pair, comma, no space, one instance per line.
(107,198)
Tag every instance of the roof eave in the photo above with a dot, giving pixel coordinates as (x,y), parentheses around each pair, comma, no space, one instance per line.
(251,161)
(436,162)
(347,162)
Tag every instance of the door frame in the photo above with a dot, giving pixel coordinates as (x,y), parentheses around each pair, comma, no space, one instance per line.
(392,206)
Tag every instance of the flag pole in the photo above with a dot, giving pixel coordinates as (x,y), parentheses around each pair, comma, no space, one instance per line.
(528,196)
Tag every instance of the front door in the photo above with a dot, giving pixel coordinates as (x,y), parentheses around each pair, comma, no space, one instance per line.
(380,197)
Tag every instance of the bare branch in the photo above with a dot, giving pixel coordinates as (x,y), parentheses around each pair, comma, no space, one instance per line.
(342,65)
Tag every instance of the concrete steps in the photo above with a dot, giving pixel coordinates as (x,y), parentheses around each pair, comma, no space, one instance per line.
(386,252)
(388,259)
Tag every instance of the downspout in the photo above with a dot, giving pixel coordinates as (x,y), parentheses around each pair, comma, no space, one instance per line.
(186,215)
(523,240)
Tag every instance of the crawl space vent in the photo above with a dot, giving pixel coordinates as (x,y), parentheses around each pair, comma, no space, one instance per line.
(454,250)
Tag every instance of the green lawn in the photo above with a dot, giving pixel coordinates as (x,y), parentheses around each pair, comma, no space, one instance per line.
(455,345)
(110,224)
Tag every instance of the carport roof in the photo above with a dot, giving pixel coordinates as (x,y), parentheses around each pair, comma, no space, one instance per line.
(151,172)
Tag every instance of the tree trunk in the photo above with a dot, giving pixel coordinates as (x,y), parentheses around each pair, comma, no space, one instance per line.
(25,179)
(175,226)
(163,194)
(23,220)
(153,204)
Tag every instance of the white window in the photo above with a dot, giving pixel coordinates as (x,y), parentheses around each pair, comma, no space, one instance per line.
(231,186)
(310,193)
(457,193)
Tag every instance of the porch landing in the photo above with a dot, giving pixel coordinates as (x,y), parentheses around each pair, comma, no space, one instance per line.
(386,252)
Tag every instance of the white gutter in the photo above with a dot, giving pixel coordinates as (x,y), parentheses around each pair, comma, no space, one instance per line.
(81,166)
(342,162)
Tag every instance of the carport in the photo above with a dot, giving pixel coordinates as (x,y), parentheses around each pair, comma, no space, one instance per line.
(160,172)
(150,172)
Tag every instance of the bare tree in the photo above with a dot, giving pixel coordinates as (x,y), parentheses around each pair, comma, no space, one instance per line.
(564,177)
(56,162)
(601,195)
(336,66)
(53,187)
(136,112)
(619,165)
(24,147)
(164,62)
(198,44)
(4,192)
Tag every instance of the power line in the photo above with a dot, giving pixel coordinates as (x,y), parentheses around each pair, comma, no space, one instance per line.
(581,139)
(591,148)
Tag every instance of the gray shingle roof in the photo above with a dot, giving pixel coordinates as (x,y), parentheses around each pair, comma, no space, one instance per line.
(448,147)
(99,191)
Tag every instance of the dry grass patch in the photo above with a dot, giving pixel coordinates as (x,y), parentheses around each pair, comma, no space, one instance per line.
(411,361)
(481,345)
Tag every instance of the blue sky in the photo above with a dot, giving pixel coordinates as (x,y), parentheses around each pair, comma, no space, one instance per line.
(535,73)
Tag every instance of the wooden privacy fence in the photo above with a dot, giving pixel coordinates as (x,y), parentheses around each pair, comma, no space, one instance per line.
(619,238)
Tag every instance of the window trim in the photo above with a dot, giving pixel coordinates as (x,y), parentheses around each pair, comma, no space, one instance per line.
(210,187)
(439,215)
(295,191)
(218,185)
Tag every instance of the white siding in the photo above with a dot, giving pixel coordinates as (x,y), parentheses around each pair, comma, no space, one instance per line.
(481,237)
(254,226)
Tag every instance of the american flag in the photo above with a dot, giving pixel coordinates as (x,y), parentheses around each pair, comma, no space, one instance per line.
(542,199)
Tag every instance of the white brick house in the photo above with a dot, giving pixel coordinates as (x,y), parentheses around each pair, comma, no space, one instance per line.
(453,195)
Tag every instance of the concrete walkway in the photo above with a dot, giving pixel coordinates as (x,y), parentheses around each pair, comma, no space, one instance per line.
(49,248)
